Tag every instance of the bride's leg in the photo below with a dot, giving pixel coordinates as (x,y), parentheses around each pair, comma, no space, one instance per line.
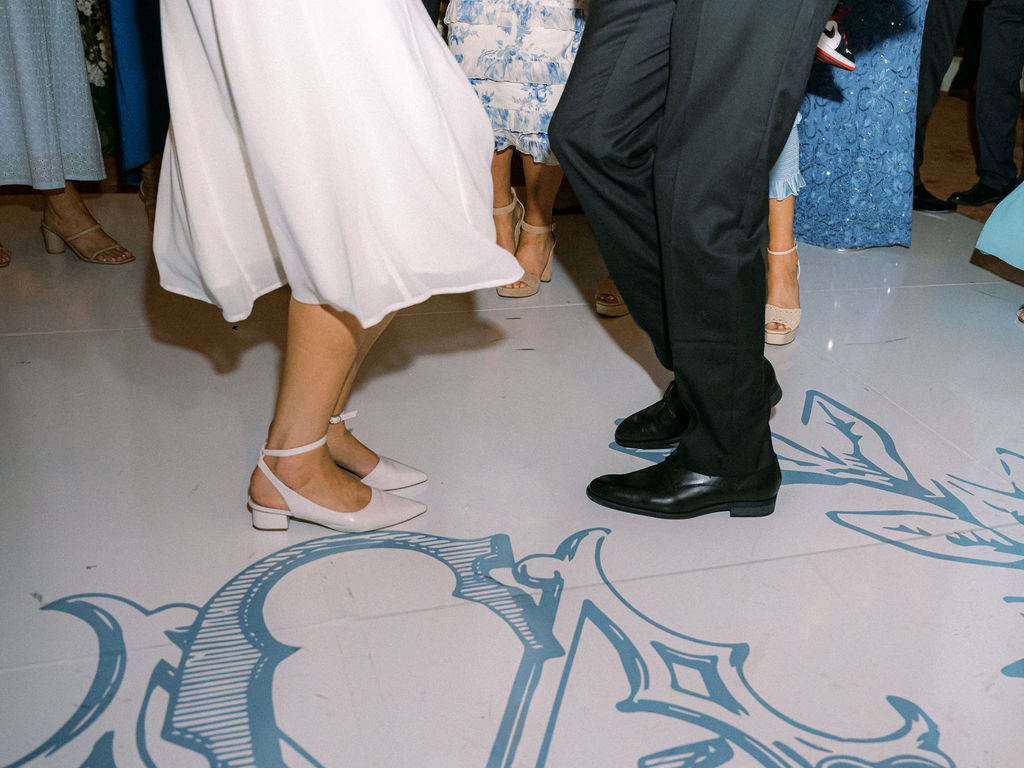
(342,444)
(320,354)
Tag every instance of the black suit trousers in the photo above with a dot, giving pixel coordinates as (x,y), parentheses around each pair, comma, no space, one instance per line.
(673,115)
(997,107)
(433,9)
(938,41)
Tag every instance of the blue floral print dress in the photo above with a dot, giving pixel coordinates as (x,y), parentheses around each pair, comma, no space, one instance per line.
(517,55)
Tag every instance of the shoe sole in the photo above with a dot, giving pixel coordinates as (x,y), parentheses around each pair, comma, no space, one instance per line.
(835,61)
(773,400)
(611,310)
(979,203)
(760,508)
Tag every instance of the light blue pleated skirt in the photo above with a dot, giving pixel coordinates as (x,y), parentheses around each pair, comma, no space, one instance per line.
(47,125)
(785,178)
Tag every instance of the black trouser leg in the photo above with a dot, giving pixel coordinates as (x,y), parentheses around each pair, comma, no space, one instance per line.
(737,80)
(603,134)
(938,41)
(998,102)
(668,128)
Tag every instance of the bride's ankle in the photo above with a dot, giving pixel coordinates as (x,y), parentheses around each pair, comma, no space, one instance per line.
(348,452)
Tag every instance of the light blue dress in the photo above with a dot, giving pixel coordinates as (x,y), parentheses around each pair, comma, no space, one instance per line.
(1003,233)
(517,54)
(785,178)
(47,124)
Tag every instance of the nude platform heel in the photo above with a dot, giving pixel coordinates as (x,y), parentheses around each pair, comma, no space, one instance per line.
(55,243)
(532,281)
(790,318)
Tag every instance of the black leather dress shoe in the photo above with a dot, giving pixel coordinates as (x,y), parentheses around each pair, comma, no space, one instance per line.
(979,194)
(671,491)
(656,426)
(660,425)
(926,201)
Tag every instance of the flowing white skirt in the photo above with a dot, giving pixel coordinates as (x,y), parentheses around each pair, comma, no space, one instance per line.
(331,144)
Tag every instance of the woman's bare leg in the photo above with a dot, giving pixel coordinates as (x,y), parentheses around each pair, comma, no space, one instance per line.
(783,288)
(501,176)
(320,353)
(542,183)
(343,446)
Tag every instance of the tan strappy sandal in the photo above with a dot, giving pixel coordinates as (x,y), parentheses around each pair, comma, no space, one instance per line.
(532,281)
(55,243)
(788,318)
(608,301)
(515,207)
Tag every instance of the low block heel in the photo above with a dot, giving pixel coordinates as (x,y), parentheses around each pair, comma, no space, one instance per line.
(54,243)
(268,521)
(754,509)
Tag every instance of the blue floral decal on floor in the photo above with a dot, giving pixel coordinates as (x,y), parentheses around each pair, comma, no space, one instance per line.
(209,691)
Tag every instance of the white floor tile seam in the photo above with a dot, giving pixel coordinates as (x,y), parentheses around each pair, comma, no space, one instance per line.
(866,547)
(891,288)
(74,331)
(67,659)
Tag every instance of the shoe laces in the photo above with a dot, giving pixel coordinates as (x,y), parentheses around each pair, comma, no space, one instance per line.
(841,9)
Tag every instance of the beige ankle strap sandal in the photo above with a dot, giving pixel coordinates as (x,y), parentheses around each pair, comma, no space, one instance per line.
(532,282)
(55,243)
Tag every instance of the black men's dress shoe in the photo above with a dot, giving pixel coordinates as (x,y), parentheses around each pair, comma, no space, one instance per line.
(979,194)
(926,201)
(656,426)
(660,425)
(671,491)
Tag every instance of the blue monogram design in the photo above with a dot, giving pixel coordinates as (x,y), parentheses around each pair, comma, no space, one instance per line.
(209,691)
(853,449)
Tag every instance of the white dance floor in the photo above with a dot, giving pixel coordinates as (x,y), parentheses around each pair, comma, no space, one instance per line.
(876,619)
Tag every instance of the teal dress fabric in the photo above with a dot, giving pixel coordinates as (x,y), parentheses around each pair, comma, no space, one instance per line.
(857,135)
(1003,233)
(47,124)
(517,55)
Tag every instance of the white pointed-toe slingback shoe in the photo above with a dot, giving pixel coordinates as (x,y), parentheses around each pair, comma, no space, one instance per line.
(384,510)
(388,475)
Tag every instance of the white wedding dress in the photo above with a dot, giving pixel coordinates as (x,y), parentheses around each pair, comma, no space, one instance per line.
(331,144)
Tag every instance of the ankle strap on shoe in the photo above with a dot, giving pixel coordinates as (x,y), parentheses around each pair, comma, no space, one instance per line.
(294,451)
(780,253)
(534,229)
(342,417)
(507,208)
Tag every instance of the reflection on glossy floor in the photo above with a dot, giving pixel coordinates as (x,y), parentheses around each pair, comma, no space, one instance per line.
(874,620)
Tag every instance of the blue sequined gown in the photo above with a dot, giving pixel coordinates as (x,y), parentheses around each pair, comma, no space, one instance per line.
(857,136)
